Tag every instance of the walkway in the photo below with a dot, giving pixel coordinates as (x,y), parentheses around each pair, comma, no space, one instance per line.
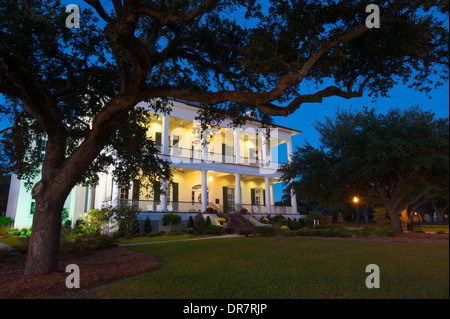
(4,246)
(177,240)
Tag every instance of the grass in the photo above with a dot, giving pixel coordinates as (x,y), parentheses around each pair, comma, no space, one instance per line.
(288,268)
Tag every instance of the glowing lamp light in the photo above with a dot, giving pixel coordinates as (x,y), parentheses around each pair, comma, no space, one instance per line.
(355,199)
(210,179)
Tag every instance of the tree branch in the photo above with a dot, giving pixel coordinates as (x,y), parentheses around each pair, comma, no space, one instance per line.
(169,18)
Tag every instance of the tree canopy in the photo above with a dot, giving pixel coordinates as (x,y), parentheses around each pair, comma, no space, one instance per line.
(393,160)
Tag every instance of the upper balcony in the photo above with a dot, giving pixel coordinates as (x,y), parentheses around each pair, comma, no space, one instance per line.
(181,138)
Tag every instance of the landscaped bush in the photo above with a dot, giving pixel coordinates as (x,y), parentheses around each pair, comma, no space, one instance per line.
(245,233)
(85,246)
(147,226)
(294,225)
(92,223)
(5,224)
(209,230)
(265,231)
(127,219)
(199,221)
(230,230)
(172,220)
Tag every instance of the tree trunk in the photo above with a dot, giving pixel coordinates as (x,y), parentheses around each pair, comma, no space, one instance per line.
(395,220)
(43,250)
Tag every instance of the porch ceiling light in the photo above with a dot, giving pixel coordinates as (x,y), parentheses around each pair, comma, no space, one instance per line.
(210,179)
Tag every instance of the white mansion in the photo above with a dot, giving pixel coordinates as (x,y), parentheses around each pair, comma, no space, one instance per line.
(228,169)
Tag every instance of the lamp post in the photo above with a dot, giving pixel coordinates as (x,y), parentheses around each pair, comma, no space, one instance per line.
(356,200)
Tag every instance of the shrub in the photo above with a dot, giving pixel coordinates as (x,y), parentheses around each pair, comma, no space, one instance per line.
(230,230)
(199,221)
(284,228)
(208,221)
(328,220)
(209,230)
(264,230)
(91,223)
(127,218)
(278,219)
(5,221)
(172,220)
(190,222)
(5,224)
(147,226)
(211,210)
(245,233)
(294,225)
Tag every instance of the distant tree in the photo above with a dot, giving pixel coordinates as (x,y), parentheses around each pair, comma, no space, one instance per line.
(394,160)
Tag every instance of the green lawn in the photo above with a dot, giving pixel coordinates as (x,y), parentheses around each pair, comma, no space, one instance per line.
(289,268)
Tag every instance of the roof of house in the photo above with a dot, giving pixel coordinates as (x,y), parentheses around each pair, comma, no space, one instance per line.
(194,104)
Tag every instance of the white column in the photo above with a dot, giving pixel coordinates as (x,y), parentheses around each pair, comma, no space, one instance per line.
(265,150)
(115,199)
(238,199)
(100,191)
(165,134)
(90,197)
(268,199)
(163,195)
(289,150)
(237,146)
(272,195)
(204,145)
(293,195)
(204,190)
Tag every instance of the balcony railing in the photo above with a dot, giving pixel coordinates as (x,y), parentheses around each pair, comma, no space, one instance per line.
(197,155)
(191,207)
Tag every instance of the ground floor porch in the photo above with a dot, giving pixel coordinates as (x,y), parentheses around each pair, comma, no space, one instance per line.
(196,190)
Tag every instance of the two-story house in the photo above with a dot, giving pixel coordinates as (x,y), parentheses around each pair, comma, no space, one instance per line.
(228,169)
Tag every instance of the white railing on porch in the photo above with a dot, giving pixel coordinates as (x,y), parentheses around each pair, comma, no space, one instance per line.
(155,206)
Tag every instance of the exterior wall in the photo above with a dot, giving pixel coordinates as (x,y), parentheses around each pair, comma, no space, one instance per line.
(20,201)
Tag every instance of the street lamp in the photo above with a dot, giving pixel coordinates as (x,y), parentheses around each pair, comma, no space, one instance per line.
(356,200)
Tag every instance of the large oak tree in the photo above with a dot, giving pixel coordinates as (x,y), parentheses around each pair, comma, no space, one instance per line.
(78,88)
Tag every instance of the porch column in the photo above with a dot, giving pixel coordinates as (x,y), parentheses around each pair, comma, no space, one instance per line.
(100,191)
(163,195)
(237,146)
(204,190)
(290,150)
(165,134)
(115,198)
(293,195)
(205,146)
(268,198)
(238,199)
(90,198)
(265,148)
